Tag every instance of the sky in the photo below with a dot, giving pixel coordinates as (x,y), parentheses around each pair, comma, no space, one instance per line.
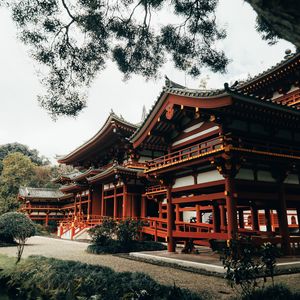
(23,120)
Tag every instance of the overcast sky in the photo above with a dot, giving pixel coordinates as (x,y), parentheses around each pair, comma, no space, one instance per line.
(23,121)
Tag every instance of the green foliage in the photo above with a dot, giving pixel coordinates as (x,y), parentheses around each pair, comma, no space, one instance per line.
(18,227)
(48,278)
(268,254)
(119,237)
(33,154)
(102,234)
(18,170)
(276,292)
(73,42)
(242,269)
(127,231)
(246,264)
(115,246)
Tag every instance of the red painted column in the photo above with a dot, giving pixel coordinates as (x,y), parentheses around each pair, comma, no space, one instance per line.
(223,217)
(198,214)
(268,220)
(170,221)
(177,218)
(133,206)
(232,227)
(160,214)
(144,207)
(103,209)
(216,217)
(125,202)
(298,217)
(241,218)
(115,203)
(89,205)
(283,221)
(254,218)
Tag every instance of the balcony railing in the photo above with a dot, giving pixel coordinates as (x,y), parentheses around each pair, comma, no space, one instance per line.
(185,154)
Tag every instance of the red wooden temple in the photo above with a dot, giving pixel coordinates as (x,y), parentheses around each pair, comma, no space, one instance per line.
(203,165)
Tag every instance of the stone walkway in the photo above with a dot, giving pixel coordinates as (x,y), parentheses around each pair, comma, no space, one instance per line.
(71,250)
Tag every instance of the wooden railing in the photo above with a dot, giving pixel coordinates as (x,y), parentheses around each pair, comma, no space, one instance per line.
(265,145)
(185,154)
(156,189)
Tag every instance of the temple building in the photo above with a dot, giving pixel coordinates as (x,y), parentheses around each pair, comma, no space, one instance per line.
(203,165)
(44,205)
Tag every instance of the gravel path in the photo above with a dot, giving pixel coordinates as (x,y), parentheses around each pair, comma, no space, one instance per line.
(71,250)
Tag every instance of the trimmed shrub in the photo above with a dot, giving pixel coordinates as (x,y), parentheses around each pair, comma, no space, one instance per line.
(49,278)
(276,292)
(115,246)
(18,227)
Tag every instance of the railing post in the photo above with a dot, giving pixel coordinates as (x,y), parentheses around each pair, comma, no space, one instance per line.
(155,234)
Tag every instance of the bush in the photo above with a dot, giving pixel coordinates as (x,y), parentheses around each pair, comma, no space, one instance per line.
(121,237)
(115,246)
(276,292)
(41,230)
(18,227)
(74,280)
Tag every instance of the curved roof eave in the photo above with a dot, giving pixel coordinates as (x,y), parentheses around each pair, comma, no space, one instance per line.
(108,123)
(172,88)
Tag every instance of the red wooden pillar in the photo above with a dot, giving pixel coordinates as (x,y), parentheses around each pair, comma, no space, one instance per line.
(254,218)
(144,207)
(125,202)
(198,214)
(160,214)
(133,206)
(216,217)
(170,221)
(241,218)
(283,221)
(232,227)
(223,217)
(103,209)
(89,205)
(177,211)
(268,220)
(115,203)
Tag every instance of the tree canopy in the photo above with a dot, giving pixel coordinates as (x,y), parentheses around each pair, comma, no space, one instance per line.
(33,154)
(72,40)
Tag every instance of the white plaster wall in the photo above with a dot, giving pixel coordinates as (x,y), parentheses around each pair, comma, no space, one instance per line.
(189,129)
(246,174)
(198,134)
(183,181)
(265,176)
(292,179)
(209,176)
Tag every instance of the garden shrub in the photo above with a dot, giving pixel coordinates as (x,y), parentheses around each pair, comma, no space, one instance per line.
(122,237)
(49,278)
(276,292)
(18,227)
(246,264)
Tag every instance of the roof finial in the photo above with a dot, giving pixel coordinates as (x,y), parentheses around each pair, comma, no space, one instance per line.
(111,112)
(288,53)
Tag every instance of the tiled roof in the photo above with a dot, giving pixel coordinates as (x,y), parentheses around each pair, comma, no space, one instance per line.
(288,59)
(177,89)
(112,118)
(114,169)
(29,192)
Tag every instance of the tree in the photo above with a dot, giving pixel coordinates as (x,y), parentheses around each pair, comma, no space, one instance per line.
(18,227)
(18,170)
(72,40)
(33,154)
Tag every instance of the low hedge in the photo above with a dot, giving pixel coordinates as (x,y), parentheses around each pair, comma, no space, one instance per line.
(49,278)
(276,292)
(115,246)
